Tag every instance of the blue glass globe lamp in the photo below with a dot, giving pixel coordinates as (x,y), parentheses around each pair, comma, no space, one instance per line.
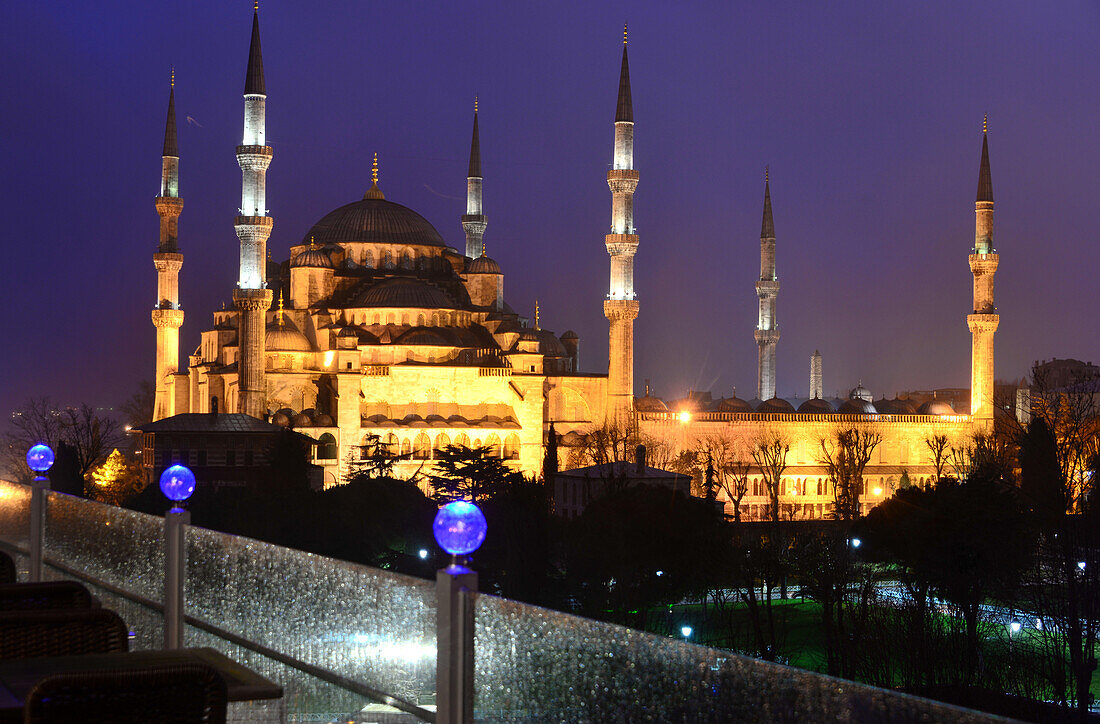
(459,527)
(177,483)
(40,458)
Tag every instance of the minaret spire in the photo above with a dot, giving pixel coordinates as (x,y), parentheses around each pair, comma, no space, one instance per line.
(167,315)
(767,289)
(621,305)
(253,227)
(474,220)
(984,321)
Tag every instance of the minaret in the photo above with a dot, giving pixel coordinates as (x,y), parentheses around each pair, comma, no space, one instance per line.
(983,265)
(816,387)
(167,315)
(473,221)
(253,226)
(767,331)
(621,306)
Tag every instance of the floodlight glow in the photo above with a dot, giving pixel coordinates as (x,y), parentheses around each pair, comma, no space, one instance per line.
(1015,627)
(878,491)
(40,458)
(177,483)
(423,553)
(660,573)
(459,528)
(684,416)
(686,631)
(856,542)
(1081,565)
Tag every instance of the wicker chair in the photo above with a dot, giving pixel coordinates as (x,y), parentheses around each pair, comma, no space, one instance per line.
(7,568)
(182,693)
(45,596)
(31,634)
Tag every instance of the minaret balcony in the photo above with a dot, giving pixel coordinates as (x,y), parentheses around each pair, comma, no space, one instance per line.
(984,263)
(622,180)
(621,244)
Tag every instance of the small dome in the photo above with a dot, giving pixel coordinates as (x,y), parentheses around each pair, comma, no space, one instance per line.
(570,334)
(733,404)
(775,404)
(284,338)
(858,406)
(323,421)
(280,419)
(649,404)
(859,392)
(549,345)
(483,265)
(885,407)
(935,407)
(423,336)
(816,406)
(402,292)
(312,257)
(903,407)
(302,420)
(286,411)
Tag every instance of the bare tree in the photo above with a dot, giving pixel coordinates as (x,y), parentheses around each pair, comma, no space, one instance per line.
(77,434)
(845,454)
(731,463)
(769,451)
(938,446)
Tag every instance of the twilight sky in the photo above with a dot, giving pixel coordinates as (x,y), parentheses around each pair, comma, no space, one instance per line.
(868,113)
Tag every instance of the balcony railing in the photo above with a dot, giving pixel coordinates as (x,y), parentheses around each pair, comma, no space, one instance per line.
(343,639)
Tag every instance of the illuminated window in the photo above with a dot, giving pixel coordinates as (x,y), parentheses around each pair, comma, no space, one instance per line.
(493,443)
(442,441)
(462,440)
(511,447)
(326,447)
(406,447)
(422,447)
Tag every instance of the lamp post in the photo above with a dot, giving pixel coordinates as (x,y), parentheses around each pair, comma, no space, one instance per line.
(459,529)
(177,483)
(39,459)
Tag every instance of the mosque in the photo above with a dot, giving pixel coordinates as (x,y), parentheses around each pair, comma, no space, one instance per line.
(374,326)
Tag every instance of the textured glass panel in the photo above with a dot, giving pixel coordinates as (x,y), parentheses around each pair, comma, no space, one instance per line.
(15,506)
(537,665)
(369,625)
(114,545)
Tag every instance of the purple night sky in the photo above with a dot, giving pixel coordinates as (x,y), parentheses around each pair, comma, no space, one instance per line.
(869,115)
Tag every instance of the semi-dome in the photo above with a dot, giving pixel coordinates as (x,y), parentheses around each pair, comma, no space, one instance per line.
(858,406)
(483,265)
(816,406)
(935,407)
(374,221)
(733,404)
(549,345)
(402,292)
(284,338)
(649,404)
(775,404)
(424,336)
(312,257)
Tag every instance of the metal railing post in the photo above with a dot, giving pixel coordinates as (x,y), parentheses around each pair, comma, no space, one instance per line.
(455,588)
(39,487)
(175,573)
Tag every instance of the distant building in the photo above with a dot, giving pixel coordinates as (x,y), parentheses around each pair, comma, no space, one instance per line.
(223,450)
(575,489)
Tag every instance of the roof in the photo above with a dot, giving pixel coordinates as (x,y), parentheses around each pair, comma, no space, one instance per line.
(475,152)
(171,148)
(313,257)
(254,77)
(374,221)
(209,422)
(985,180)
(483,265)
(624,110)
(401,292)
(767,226)
(627,470)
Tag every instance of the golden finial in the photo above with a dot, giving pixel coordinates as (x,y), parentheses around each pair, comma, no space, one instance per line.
(312,243)
(256,6)
(765,174)
(374,170)
(173,76)
(280,312)
(475,104)
(536,314)
(624,33)
(985,124)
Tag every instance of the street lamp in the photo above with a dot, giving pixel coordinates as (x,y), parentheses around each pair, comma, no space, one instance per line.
(686,631)
(39,459)
(177,483)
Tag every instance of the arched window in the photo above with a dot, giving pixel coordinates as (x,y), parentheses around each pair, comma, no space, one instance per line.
(420,320)
(406,447)
(407,259)
(326,447)
(390,445)
(511,447)
(462,440)
(477,442)
(368,259)
(493,443)
(442,440)
(387,259)
(422,447)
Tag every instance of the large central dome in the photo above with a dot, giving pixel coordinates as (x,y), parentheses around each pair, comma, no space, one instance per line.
(374,221)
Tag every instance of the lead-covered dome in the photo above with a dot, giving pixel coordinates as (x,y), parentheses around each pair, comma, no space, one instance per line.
(483,265)
(775,404)
(374,221)
(816,406)
(936,407)
(313,257)
(402,292)
(858,406)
